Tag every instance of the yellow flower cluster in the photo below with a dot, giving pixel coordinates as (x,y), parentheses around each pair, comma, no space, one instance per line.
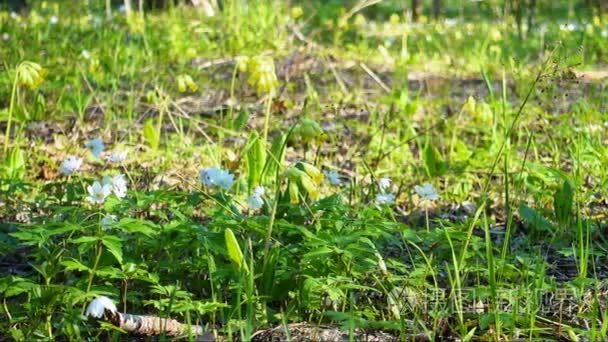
(185,83)
(136,23)
(30,75)
(308,131)
(305,176)
(261,71)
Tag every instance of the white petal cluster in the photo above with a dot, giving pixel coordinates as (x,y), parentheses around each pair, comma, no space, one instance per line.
(333,178)
(384,184)
(216,177)
(70,165)
(99,306)
(117,156)
(107,221)
(427,192)
(255,201)
(118,184)
(98,192)
(382,199)
(96,147)
(385,196)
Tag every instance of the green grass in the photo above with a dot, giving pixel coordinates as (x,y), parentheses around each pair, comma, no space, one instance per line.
(513,142)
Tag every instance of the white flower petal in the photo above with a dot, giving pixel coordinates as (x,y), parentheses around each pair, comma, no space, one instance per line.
(384,184)
(99,306)
(333,178)
(70,165)
(118,156)
(385,199)
(426,192)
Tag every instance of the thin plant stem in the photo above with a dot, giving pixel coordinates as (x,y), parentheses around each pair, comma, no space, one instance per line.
(11,108)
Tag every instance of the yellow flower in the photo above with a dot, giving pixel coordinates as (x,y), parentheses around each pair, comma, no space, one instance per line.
(309,185)
(93,65)
(136,23)
(30,75)
(308,130)
(495,35)
(394,19)
(360,21)
(294,197)
(242,63)
(186,83)
(296,177)
(262,74)
(296,12)
(315,174)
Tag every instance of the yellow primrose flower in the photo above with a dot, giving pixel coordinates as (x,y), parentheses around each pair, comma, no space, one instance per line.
(308,130)
(136,23)
(394,19)
(262,74)
(94,65)
(242,63)
(297,177)
(186,83)
(30,75)
(296,12)
(315,174)
(309,185)
(495,35)
(360,21)
(294,197)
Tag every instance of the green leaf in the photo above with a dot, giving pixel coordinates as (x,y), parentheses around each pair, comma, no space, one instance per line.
(73,264)
(275,157)
(234,250)
(433,162)
(535,219)
(151,134)
(256,155)
(14,166)
(562,203)
(114,246)
(84,240)
(241,120)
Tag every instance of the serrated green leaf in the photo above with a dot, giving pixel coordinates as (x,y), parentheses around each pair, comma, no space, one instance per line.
(114,246)
(74,265)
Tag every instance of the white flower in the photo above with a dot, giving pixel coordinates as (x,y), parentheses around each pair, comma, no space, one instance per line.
(70,165)
(54,20)
(427,192)
(86,54)
(333,178)
(14,15)
(107,221)
(384,184)
(255,201)
(385,199)
(117,156)
(217,177)
(99,306)
(96,146)
(98,192)
(6,36)
(118,184)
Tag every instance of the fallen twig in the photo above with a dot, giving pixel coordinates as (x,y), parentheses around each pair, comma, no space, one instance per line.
(103,307)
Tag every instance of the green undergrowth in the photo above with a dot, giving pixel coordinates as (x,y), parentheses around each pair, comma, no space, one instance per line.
(273,164)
